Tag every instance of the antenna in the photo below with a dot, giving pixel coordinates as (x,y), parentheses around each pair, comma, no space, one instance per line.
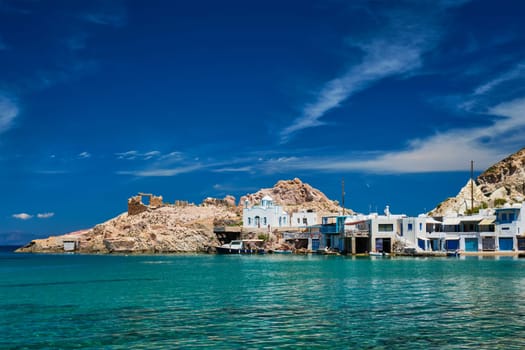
(472,187)
(343,195)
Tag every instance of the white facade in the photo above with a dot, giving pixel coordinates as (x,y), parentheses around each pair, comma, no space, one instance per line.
(304,218)
(265,215)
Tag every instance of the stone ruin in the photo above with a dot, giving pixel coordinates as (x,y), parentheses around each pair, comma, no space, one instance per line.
(136,206)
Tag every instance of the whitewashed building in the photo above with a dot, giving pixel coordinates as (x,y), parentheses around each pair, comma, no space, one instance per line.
(265,215)
(304,218)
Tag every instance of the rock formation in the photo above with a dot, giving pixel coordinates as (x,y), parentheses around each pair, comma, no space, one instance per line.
(502,183)
(158,227)
(293,195)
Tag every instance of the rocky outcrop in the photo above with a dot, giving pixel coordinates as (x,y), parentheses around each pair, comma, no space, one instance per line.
(505,179)
(159,227)
(174,229)
(502,183)
(293,195)
(462,202)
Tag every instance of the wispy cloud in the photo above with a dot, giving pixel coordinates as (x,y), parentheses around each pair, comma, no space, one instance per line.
(449,150)
(241,169)
(163,172)
(394,50)
(22,216)
(134,155)
(8,112)
(518,71)
(84,155)
(108,13)
(45,215)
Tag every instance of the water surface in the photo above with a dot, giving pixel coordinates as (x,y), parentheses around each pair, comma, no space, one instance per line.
(209,301)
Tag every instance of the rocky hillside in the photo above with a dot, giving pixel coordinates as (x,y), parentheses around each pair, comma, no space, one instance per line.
(183,227)
(293,195)
(166,229)
(502,183)
(508,174)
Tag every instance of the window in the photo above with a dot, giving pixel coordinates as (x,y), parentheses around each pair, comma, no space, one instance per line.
(298,220)
(264,220)
(305,221)
(410,227)
(249,221)
(386,227)
(420,226)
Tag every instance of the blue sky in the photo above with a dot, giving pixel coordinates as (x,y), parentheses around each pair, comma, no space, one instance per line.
(102,99)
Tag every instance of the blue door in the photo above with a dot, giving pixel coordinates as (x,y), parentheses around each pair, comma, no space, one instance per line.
(421,244)
(471,244)
(452,244)
(506,243)
(379,244)
(315,244)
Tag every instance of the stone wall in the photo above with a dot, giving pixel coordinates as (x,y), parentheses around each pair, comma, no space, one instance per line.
(135,205)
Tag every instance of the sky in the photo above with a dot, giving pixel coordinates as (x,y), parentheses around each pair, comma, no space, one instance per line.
(100,100)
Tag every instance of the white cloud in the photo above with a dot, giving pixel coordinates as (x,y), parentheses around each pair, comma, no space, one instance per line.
(45,215)
(8,112)
(450,150)
(516,72)
(84,155)
(162,172)
(132,155)
(396,49)
(22,216)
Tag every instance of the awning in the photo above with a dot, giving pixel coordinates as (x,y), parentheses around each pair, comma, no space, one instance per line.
(451,221)
(487,234)
(354,222)
(487,222)
(470,219)
(432,221)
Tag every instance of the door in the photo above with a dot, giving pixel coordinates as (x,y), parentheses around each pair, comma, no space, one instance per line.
(452,244)
(315,244)
(506,243)
(379,245)
(471,244)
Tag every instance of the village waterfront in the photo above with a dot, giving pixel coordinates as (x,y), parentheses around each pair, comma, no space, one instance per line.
(270,301)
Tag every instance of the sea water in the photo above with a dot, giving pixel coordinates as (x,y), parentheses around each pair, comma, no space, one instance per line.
(272,301)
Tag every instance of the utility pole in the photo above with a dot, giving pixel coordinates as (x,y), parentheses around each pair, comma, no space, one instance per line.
(343,195)
(472,187)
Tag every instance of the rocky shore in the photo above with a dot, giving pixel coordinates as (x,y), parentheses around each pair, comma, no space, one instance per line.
(180,227)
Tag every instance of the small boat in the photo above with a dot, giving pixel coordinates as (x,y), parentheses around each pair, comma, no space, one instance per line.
(453,253)
(281,251)
(245,246)
(378,254)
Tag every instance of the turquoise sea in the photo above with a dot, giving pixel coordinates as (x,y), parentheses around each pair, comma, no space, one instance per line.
(251,302)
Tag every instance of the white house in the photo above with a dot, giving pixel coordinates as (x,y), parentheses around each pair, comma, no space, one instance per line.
(304,218)
(264,215)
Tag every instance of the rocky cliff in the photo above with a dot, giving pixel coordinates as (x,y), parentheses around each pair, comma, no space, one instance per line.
(294,195)
(182,227)
(502,183)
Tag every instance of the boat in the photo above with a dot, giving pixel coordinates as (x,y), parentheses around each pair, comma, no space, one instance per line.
(453,253)
(281,251)
(378,254)
(242,246)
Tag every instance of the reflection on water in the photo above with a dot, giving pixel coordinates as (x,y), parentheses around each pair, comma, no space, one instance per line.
(260,301)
